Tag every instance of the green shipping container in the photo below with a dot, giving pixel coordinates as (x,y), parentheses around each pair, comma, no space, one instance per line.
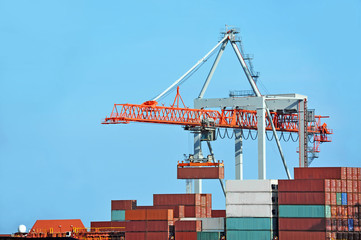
(251,223)
(118,215)
(338,198)
(304,211)
(208,235)
(249,235)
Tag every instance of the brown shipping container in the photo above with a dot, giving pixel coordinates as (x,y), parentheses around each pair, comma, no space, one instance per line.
(305,185)
(333,197)
(350,199)
(349,172)
(320,173)
(302,198)
(200,172)
(338,186)
(302,224)
(176,199)
(109,226)
(359,186)
(333,224)
(359,174)
(301,235)
(350,212)
(345,224)
(218,213)
(333,211)
(135,236)
(124,204)
(339,225)
(185,235)
(339,211)
(159,226)
(192,211)
(136,226)
(188,226)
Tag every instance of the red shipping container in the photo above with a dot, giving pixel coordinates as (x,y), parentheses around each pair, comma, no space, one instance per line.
(333,211)
(305,185)
(359,198)
(354,186)
(203,212)
(349,173)
(136,226)
(359,186)
(350,199)
(344,211)
(356,211)
(356,225)
(303,224)
(218,213)
(349,186)
(304,198)
(124,204)
(188,226)
(359,173)
(192,211)
(159,226)
(185,235)
(136,215)
(135,236)
(178,211)
(159,214)
(176,199)
(333,199)
(157,236)
(343,186)
(301,235)
(200,173)
(338,186)
(209,212)
(333,185)
(355,198)
(320,173)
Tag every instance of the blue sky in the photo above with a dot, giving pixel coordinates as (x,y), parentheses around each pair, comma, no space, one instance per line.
(63,64)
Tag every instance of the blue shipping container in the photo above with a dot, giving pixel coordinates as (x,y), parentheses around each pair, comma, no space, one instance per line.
(350,225)
(344,198)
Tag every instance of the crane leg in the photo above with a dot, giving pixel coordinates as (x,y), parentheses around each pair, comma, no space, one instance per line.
(197,155)
(238,154)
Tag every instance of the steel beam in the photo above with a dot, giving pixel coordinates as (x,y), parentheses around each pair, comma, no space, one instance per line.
(197,155)
(261,129)
(238,147)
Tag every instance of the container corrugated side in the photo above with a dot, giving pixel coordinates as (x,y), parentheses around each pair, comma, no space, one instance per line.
(303,235)
(177,199)
(218,213)
(185,235)
(305,185)
(249,235)
(188,226)
(320,173)
(304,211)
(208,235)
(123,204)
(135,235)
(250,223)
(212,224)
(304,198)
(302,224)
(251,210)
(251,198)
(251,185)
(200,173)
(118,215)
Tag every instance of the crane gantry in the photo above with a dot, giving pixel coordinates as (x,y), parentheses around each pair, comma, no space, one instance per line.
(276,113)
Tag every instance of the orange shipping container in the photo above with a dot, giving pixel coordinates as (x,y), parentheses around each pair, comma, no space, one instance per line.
(159,214)
(135,215)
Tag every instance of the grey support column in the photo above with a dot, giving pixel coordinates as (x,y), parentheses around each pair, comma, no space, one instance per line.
(261,125)
(238,154)
(197,155)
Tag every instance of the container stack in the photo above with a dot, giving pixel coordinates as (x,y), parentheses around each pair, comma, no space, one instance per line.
(321,203)
(251,209)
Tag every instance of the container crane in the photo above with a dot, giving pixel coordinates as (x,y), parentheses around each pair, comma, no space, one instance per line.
(282,113)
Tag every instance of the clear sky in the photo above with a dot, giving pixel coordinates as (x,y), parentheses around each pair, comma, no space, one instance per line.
(63,64)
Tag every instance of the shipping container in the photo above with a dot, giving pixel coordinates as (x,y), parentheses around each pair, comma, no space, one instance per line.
(212,224)
(349,172)
(333,185)
(185,235)
(245,198)
(249,235)
(349,186)
(208,235)
(305,185)
(135,235)
(177,199)
(149,214)
(124,204)
(304,211)
(355,174)
(303,224)
(188,226)
(118,215)
(343,198)
(302,235)
(178,211)
(250,223)
(304,198)
(200,172)
(157,236)
(343,185)
(339,198)
(320,173)
(192,211)
(338,186)
(354,186)
(218,213)
(109,226)
(251,185)
(267,211)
